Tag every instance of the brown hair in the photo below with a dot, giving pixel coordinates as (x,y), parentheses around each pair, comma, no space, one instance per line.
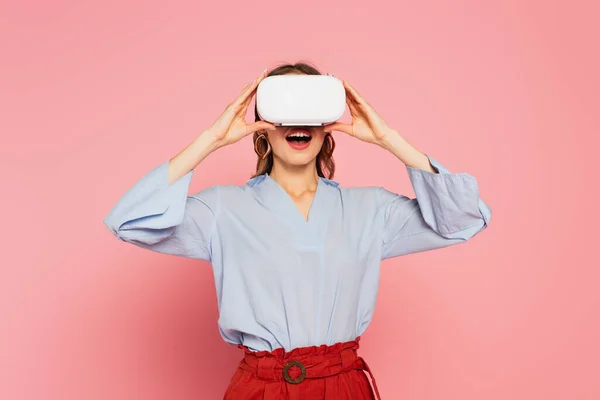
(325,162)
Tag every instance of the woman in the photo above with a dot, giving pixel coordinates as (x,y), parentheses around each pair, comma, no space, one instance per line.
(296,257)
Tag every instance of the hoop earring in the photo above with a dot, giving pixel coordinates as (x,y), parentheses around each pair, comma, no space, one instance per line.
(329,137)
(262,156)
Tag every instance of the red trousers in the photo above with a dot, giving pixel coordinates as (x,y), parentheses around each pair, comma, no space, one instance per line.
(304,373)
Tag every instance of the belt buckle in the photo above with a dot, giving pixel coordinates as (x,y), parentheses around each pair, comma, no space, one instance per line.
(287,376)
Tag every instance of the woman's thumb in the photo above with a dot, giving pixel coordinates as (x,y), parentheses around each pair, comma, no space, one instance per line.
(338,126)
(258,125)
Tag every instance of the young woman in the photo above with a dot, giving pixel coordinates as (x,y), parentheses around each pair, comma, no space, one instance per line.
(295,256)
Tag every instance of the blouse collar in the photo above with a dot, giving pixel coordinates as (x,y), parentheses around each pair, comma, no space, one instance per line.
(277,201)
(258,179)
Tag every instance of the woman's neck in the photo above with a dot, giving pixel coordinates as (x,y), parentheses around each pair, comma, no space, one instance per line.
(295,180)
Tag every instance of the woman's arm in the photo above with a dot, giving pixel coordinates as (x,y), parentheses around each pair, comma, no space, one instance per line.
(447,209)
(189,158)
(156,213)
(393,142)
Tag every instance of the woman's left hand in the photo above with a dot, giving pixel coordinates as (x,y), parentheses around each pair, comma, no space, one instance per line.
(366,125)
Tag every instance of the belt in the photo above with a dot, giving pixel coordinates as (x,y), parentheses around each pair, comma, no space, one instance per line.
(305,363)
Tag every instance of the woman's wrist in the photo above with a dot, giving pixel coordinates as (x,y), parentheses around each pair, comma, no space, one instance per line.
(405,152)
(193,154)
(207,142)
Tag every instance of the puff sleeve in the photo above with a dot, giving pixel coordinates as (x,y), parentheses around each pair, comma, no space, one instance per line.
(447,210)
(162,217)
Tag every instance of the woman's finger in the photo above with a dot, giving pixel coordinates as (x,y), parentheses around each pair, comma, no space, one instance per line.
(361,106)
(246,103)
(352,105)
(259,125)
(242,97)
(351,99)
(358,99)
(248,91)
(355,95)
(355,110)
(339,126)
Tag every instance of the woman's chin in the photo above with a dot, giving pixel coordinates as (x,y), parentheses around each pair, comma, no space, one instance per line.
(299,159)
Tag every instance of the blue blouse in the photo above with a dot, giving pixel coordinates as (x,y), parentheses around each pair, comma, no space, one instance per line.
(283,281)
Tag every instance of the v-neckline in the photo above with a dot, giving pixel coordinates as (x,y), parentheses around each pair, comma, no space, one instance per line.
(311,213)
(281,205)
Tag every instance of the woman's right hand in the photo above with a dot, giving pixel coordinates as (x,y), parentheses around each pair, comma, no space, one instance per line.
(231,126)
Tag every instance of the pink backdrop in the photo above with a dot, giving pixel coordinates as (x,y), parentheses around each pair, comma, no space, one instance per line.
(92,96)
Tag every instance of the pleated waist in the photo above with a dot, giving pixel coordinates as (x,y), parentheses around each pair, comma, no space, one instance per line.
(312,362)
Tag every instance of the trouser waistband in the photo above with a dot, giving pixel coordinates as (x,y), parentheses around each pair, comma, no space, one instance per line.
(305,362)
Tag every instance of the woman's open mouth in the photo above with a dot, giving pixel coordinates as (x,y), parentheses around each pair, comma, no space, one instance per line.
(298,138)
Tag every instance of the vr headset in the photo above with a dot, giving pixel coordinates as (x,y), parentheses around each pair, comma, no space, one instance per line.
(305,100)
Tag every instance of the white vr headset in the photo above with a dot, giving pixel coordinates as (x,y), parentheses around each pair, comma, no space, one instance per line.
(300,99)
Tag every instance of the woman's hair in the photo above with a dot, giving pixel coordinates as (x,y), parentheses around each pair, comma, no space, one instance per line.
(325,162)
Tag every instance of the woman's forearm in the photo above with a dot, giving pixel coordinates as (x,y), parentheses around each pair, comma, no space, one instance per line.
(407,153)
(189,158)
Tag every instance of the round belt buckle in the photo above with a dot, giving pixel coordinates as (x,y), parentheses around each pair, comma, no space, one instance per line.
(287,376)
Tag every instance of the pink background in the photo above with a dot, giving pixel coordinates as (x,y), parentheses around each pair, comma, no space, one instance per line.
(92,96)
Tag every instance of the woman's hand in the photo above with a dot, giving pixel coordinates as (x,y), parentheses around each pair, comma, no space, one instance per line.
(231,126)
(366,124)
